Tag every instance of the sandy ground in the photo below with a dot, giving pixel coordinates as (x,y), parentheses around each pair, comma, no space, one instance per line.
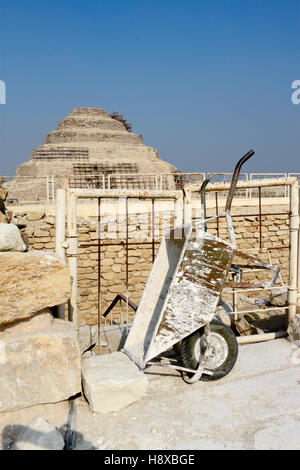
(257,406)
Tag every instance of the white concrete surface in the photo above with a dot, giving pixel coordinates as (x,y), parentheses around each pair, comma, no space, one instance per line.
(257,406)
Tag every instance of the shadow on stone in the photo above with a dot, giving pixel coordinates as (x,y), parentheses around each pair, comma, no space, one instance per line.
(18,437)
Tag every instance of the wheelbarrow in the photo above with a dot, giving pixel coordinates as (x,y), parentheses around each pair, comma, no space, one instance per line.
(178,305)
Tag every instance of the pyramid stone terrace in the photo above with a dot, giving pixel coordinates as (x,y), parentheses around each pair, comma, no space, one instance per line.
(89,149)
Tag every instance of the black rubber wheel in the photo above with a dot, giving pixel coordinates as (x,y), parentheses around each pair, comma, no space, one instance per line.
(225,353)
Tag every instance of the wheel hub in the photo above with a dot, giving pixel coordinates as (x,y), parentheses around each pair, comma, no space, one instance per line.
(219,351)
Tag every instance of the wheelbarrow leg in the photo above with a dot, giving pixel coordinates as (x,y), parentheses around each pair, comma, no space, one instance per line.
(201,365)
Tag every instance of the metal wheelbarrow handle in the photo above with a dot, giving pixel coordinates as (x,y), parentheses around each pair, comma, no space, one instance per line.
(235,176)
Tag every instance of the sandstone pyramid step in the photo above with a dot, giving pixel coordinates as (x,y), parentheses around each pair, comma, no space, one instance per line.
(83,111)
(90,123)
(101,144)
(93,135)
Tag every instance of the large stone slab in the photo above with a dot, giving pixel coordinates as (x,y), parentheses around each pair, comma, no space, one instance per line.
(39,366)
(30,282)
(112,382)
(10,238)
(41,321)
(87,336)
(39,435)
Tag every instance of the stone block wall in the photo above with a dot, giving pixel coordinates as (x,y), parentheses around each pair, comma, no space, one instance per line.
(113,271)
(40,233)
(274,238)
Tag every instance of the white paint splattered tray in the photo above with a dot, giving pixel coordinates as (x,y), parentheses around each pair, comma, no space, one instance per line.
(181,293)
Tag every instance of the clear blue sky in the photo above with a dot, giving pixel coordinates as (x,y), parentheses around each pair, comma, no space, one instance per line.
(203,80)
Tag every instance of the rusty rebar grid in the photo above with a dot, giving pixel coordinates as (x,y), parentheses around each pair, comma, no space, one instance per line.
(126,245)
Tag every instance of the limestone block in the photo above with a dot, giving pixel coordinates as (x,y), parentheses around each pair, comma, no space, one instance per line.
(112,382)
(41,321)
(106,262)
(37,214)
(30,282)
(50,220)
(118,289)
(49,246)
(88,263)
(116,268)
(41,233)
(39,435)
(109,276)
(39,366)
(10,238)
(83,230)
(87,337)
(38,246)
(92,276)
(83,237)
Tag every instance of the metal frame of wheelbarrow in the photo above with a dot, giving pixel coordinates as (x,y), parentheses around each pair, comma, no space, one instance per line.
(189,271)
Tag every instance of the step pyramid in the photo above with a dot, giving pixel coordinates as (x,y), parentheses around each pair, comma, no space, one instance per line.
(87,147)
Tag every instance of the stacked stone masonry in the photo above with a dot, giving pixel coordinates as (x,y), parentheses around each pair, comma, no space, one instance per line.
(40,235)
(274,237)
(88,148)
